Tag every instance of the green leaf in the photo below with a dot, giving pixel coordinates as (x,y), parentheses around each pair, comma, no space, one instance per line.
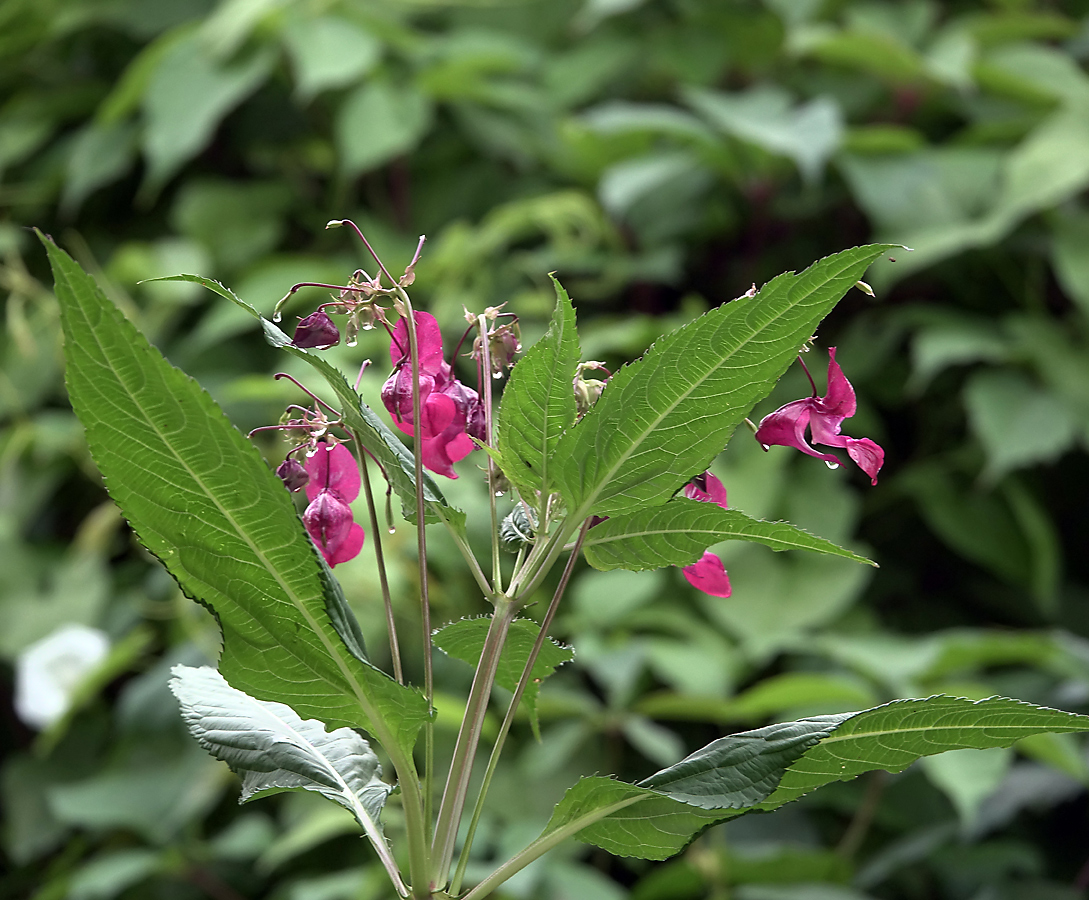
(377,122)
(539,403)
(663,418)
(186,97)
(273,749)
(765,768)
(464,640)
(202,500)
(678,532)
(329,52)
(398,462)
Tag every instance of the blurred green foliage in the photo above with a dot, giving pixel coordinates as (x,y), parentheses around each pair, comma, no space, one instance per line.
(660,156)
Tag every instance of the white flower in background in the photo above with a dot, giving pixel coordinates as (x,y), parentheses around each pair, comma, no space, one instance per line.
(48,672)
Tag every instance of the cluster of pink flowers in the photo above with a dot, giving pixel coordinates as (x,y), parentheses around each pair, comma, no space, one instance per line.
(451,413)
(333,482)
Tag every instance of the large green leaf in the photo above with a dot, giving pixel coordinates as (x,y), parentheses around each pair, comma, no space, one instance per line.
(202,499)
(539,403)
(396,460)
(765,768)
(464,640)
(678,532)
(663,418)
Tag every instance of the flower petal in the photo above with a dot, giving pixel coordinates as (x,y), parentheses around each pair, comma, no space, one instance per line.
(840,397)
(786,428)
(711,491)
(349,549)
(328,519)
(867,455)
(429,337)
(332,468)
(708,574)
(316,330)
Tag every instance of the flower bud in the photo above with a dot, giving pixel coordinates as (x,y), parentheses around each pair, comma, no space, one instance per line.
(292,474)
(316,331)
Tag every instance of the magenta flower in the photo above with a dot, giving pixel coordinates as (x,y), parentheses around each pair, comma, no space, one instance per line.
(824,417)
(708,574)
(334,483)
(451,413)
(292,474)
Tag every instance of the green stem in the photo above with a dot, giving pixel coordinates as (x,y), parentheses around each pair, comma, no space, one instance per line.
(461,765)
(504,729)
(542,845)
(421,545)
(380,560)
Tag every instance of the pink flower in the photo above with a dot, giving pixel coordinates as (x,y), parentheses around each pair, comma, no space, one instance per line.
(824,417)
(316,330)
(334,483)
(708,574)
(451,412)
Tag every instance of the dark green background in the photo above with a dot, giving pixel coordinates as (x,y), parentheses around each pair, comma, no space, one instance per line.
(661,157)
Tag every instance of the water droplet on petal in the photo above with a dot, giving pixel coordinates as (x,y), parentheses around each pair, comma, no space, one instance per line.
(497,375)
(500,493)
(392,529)
(277,316)
(367,326)
(351,342)
(831,465)
(766,447)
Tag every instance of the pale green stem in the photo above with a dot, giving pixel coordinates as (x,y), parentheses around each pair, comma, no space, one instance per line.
(466,552)
(508,720)
(461,765)
(380,560)
(421,546)
(542,845)
(486,388)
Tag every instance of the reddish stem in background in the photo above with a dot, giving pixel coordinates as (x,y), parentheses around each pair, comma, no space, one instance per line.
(805,369)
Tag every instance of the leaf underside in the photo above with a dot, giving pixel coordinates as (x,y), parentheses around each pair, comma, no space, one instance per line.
(765,768)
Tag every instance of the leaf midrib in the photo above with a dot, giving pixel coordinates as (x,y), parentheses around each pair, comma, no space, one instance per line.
(294,598)
(585,507)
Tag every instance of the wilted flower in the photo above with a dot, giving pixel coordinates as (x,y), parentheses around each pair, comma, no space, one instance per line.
(824,417)
(708,574)
(334,483)
(451,412)
(317,331)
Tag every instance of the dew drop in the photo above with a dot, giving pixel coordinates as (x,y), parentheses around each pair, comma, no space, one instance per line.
(766,447)
(277,316)
(391,529)
(831,465)
(497,375)
(500,493)
(351,342)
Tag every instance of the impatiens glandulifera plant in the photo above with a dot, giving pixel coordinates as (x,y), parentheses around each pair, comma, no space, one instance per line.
(613,469)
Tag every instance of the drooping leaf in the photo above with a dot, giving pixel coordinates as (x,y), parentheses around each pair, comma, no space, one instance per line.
(272,749)
(397,460)
(539,403)
(201,498)
(765,768)
(464,640)
(664,418)
(677,533)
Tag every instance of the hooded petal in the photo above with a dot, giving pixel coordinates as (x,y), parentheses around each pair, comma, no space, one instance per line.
(349,548)
(316,330)
(786,427)
(332,468)
(867,455)
(839,400)
(708,574)
(328,520)
(708,488)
